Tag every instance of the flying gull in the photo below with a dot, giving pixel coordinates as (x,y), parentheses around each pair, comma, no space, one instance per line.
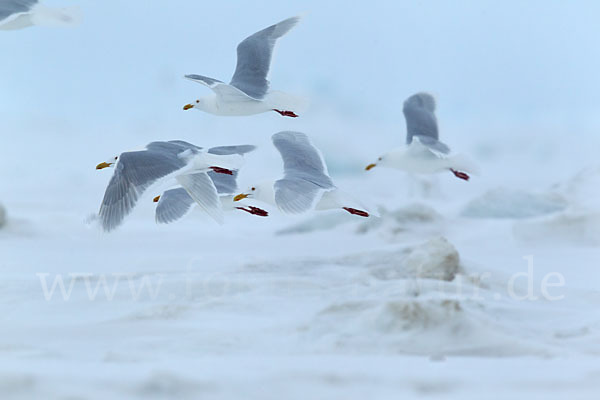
(424,153)
(248,92)
(306,184)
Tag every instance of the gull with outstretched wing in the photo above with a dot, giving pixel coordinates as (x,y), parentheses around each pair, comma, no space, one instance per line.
(249,92)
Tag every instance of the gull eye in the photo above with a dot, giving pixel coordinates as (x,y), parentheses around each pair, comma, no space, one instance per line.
(379,159)
(116,158)
(253,188)
(197,101)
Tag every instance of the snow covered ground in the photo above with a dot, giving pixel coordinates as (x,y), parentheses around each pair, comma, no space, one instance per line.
(480,289)
(422,302)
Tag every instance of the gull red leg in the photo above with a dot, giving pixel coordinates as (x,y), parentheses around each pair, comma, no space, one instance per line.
(354,211)
(461,175)
(286,113)
(220,170)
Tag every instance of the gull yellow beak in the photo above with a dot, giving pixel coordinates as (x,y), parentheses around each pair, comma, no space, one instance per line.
(370,166)
(156,199)
(103,165)
(239,197)
(188,106)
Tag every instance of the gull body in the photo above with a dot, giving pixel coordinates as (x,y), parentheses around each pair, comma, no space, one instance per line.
(19,14)
(418,158)
(249,91)
(332,199)
(424,153)
(306,185)
(238,104)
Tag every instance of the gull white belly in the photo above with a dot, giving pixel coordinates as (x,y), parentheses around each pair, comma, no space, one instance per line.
(240,108)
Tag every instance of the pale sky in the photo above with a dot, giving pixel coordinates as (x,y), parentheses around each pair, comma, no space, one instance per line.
(493,65)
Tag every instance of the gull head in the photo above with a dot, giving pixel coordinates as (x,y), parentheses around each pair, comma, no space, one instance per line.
(250,192)
(109,163)
(380,160)
(398,158)
(261,191)
(198,104)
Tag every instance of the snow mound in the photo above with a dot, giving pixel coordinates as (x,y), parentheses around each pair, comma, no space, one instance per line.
(430,324)
(413,217)
(508,203)
(583,189)
(434,259)
(394,224)
(571,227)
(320,222)
(167,385)
(579,224)
(416,300)
(2,216)
(14,385)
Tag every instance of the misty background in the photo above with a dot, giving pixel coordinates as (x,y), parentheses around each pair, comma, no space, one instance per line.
(71,98)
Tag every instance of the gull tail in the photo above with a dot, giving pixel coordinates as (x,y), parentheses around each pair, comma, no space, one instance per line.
(286,102)
(339,199)
(56,17)
(462,163)
(227,161)
(201,188)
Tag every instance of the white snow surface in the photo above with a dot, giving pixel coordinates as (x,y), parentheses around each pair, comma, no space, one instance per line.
(414,304)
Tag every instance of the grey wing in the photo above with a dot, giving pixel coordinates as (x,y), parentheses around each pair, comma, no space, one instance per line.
(204,80)
(181,143)
(296,196)
(173,205)
(301,160)
(225,183)
(419,112)
(202,189)
(172,147)
(226,150)
(10,7)
(433,144)
(134,173)
(254,58)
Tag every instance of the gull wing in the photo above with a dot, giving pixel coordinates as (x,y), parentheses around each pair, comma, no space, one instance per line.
(173,205)
(254,58)
(419,112)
